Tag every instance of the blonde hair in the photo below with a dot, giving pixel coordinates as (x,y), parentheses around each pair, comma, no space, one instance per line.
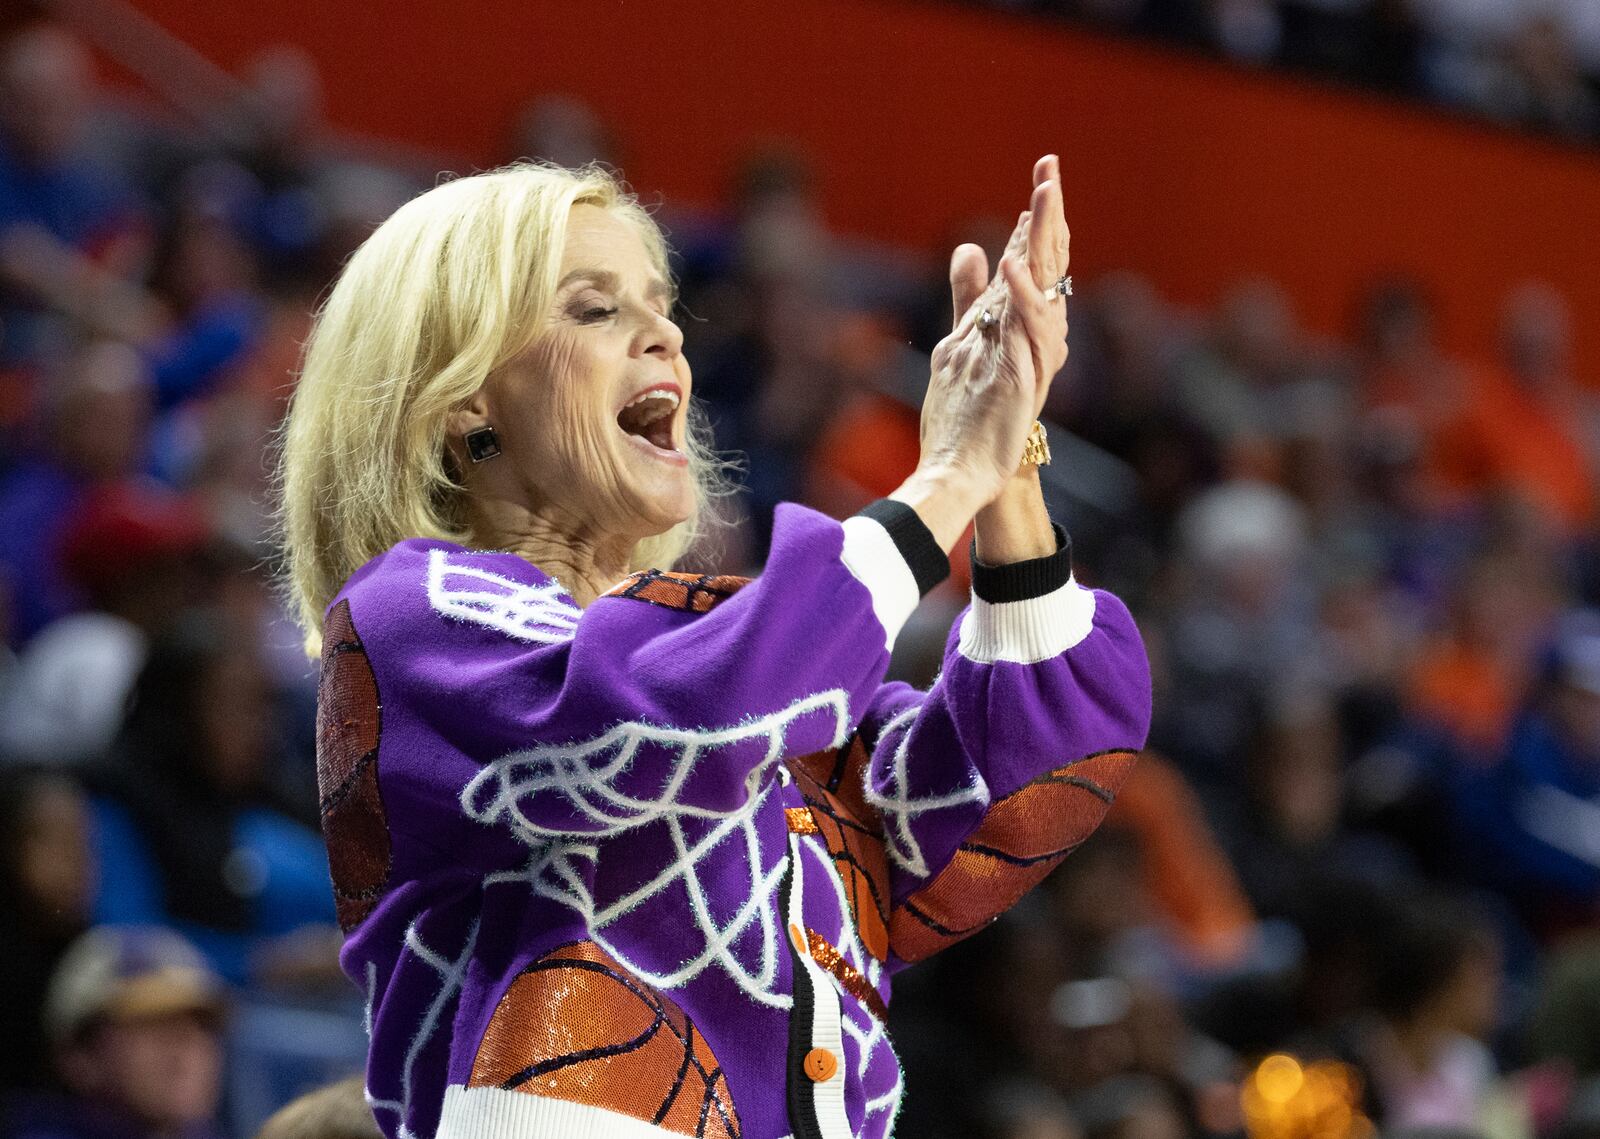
(452,286)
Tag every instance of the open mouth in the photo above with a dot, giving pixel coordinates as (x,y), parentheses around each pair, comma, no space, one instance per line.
(649,415)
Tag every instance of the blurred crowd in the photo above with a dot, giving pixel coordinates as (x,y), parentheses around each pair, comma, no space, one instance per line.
(1531,63)
(1353,886)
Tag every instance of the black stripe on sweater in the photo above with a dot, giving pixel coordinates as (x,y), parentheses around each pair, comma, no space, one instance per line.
(802,1092)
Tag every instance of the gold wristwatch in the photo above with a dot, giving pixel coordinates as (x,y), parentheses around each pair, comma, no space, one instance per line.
(1036,452)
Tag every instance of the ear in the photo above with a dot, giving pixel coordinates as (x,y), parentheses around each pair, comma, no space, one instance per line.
(469,416)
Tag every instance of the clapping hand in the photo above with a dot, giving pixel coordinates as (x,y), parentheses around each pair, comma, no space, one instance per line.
(1039,253)
(992,373)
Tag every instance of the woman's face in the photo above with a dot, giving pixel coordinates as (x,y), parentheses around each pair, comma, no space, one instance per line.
(591,421)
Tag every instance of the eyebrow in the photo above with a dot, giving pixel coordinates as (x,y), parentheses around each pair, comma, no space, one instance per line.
(657,288)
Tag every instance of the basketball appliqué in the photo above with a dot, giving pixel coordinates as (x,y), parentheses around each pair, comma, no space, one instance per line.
(576,1026)
(1023,837)
(688,592)
(349,723)
(851,829)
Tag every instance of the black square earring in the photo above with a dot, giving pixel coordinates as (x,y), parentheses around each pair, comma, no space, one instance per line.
(482,444)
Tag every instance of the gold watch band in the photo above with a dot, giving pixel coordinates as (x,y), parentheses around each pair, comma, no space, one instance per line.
(1036,452)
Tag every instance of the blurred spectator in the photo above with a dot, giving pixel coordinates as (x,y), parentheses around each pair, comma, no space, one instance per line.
(205,274)
(1125,344)
(1253,383)
(186,814)
(1241,626)
(1250,31)
(1410,390)
(1529,823)
(1117,393)
(765,348)
(1471,678)
(1292,841)
(338,1111)
(1536,80)
(1376,43)
(1527,428)
(61,213)
(1536,334)
(564,130)
(1187,875)
(1532,63)
(1418,521)
(1436,995)
(47,880)
(272,152)
(134,1017)
(132,551)
(95,425)
(1025,1110)
(1097,901)
(1565,1025)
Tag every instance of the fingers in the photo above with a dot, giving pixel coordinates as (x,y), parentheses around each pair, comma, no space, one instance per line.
(1042,237)
(1026,303)
(1019,236)
(1042,322)
(1049,240)
(991,296)
(969,274)
(1063,232)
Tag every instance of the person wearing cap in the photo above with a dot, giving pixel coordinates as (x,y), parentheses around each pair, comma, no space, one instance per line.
(132,549)
(134,1016)
(1530,822)
(625,851)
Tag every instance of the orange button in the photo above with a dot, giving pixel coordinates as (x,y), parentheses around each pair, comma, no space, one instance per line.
(798,938)
(820,1064)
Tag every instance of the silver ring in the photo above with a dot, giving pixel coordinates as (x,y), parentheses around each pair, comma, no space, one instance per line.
(1062,288)
(985,320)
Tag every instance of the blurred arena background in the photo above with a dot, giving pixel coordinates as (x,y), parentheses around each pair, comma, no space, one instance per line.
(1330,425)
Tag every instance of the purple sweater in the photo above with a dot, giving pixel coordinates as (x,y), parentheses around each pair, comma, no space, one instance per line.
(649,867)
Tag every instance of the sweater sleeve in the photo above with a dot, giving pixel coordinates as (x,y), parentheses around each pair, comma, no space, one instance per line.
(672,693)
(985,783)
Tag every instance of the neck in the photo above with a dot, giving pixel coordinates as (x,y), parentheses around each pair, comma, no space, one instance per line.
(584,562)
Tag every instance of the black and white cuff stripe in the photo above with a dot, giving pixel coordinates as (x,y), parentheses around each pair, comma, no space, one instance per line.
(913,539)
(1023,581)
(1026,612)
(891,551)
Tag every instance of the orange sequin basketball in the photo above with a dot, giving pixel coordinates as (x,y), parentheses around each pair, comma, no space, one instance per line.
(576,1026)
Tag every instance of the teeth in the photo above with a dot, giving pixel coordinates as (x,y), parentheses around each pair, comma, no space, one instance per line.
(663,394)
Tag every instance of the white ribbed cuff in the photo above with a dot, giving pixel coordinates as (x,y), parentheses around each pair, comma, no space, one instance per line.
(495,1113)
(1026,632)
(874,560)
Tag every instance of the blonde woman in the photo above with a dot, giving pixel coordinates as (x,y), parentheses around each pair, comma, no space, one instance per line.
(623,852)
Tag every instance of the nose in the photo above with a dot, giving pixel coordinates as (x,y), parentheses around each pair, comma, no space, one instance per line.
(662,337)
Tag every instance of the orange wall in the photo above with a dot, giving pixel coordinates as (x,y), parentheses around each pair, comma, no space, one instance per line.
(920,113)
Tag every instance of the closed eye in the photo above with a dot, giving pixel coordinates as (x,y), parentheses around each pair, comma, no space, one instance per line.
(596,315)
